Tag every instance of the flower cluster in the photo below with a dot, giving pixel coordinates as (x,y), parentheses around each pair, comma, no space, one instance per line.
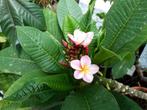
(79,50)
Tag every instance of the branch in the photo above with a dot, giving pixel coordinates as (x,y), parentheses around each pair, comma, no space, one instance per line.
(140,72)
(119,87)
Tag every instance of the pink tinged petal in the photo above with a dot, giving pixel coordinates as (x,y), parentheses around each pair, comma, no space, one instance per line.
(85,60)
(94,69)
(75,64)
(79,36)
(71,37)
(88,78)
(80,39)
(88,39)
(78,75)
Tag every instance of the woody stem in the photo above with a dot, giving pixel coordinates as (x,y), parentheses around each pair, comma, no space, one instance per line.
(121,88)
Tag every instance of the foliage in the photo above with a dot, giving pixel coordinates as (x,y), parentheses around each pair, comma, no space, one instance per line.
(19,12)
(35,74)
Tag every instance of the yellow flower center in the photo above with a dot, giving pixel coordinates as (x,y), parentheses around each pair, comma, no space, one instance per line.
(85,69)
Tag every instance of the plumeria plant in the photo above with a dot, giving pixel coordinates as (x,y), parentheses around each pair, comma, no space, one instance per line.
(59,60)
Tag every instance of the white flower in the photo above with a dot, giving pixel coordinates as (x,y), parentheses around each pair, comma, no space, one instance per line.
(81,38)
(84,69)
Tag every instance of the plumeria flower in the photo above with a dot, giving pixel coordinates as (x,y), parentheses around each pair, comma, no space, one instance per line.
(84,69)
(81,38)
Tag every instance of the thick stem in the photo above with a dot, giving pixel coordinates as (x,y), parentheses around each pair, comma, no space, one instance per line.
(140,72)
(119,87)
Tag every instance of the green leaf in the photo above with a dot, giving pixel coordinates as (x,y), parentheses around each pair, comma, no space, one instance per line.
(121,67)
(87,17)
(34,82)
(133,45)
(9,19)
(9,105)
(70,24)
(12,12)
(68,7)
(105,54)
(10,63)
(52,24)
(125,103)
(31,13)
(56,82)
(98,35)
(7,80)
(91,98)
(125,23)
(23,85)
(42,47)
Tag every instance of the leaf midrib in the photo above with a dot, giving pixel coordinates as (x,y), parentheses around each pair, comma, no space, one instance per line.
(27,10)
(20,59)
(87,103)
(42,49)
(123,27)
(11,17)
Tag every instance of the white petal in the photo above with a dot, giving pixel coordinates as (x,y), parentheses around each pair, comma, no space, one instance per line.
(94,69)
(88,78)
(85,60)
(71,37)
(90,34)
(78,75)
(88,39)
(75,64)
(77,33)
(79,36)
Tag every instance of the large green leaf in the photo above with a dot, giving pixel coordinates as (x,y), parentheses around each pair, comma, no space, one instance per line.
(124,23)
(126,28)
(34,82)
(30,12)
(42,47)
(11,63)
(121,67)
(9,105)
(37,100)
(17,66)
(96,39)
(91,98)
(105,54)
(13,12)
(52,24)
(9,19)
(125,103)
(6,80)
(68,7)
(24,86)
